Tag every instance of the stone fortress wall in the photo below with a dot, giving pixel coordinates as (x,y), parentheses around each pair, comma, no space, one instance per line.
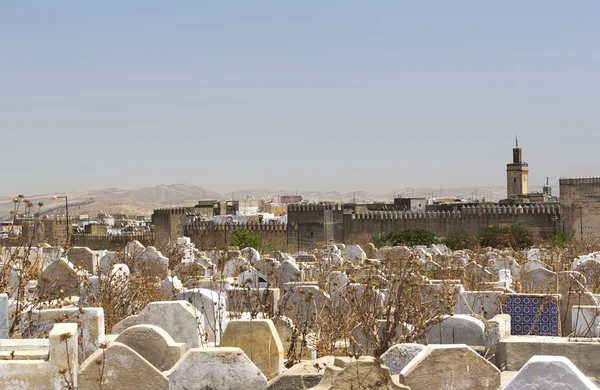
(310,225)
(580,201)
(206,234)
(539,218)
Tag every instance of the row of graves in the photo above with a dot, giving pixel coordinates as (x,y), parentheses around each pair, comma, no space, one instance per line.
(237,319)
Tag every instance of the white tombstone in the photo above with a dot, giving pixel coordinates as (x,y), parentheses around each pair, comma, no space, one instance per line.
(211,309)
(289,271)
(252,279)
(505,279)
(3,316)
(120,270)
(250,254)
(354,254)
(550,373)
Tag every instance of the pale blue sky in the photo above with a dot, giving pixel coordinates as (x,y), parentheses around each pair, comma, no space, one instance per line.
(324,95)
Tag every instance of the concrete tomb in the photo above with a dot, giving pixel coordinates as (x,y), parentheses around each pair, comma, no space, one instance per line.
(46,374)
(90,321)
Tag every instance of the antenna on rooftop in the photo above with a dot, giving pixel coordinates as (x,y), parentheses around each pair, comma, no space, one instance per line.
(517,141)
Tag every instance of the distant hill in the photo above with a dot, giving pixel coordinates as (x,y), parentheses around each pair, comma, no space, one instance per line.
(139,201)
(142,201)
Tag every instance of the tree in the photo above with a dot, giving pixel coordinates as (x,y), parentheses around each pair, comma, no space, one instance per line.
(411,237)
(515,237)
(460,239)
(244,239)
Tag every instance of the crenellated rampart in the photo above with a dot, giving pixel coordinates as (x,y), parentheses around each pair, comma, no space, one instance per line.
(541,218)
(208,235)
(580,198)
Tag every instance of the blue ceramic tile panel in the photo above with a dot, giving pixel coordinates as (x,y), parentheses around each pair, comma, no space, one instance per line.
(532,315)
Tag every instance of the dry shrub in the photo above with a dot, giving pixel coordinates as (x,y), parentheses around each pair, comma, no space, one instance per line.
(123,296)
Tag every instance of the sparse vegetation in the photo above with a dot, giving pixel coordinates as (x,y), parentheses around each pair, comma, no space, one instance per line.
(515,237)
(460,239)
(408,237)
(244,239)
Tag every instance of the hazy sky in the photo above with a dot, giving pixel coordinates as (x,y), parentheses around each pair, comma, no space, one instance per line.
(330,95)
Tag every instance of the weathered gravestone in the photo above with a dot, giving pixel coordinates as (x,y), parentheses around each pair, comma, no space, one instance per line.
(302,303)
(260,342)
(106,262)
(151,264)
(154,344)
(303,375)
(3,316)
(354,254)
(567,302)
(211,311)
(216,368)
(456,367)
(58,280)
(134,248)
(189,270)
(540,281)
(84,257)
(125,323)
(289,271)
(362,373)
(336,280)
(119,367)
(457,329)
(591,270)
(399,355)
(549,373)
(585,320)
(178,318)
(250,254)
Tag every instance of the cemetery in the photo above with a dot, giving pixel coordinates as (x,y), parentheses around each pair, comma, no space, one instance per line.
(338,317)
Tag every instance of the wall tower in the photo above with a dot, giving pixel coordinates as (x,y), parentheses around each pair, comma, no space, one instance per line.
(517,174)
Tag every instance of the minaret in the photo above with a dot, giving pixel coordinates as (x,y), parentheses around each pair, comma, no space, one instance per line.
(517,174)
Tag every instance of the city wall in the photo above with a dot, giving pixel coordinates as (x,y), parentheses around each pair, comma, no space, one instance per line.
(314,224)
(580,198)
(51,231)
(543,220)
(169,223)
(207,235)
